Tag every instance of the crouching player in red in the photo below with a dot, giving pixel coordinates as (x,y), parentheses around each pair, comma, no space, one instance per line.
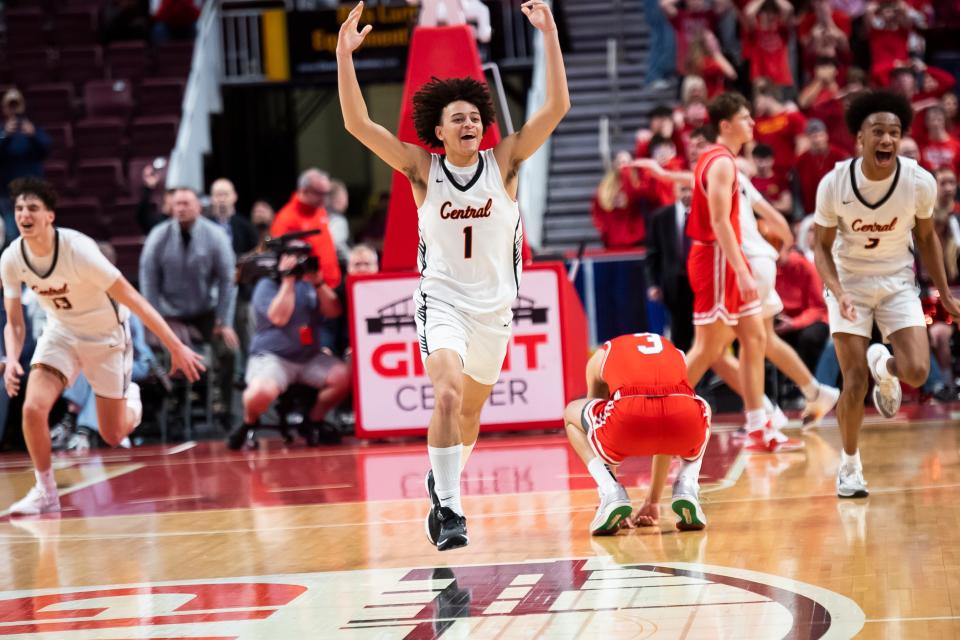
(640,403)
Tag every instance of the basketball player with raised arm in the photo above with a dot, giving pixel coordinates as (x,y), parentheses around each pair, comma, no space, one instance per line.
(88,303)
(470,244)
(724,289)
(640,403)
(868,211)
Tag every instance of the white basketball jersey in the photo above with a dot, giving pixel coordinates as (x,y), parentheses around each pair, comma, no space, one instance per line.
(874,219)
(753,244)
(73,290)
(470,237)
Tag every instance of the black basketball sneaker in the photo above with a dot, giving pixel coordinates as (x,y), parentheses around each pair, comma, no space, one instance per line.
(453,529)
(432,523)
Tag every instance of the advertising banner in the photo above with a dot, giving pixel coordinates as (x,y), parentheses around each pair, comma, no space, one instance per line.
(393,392)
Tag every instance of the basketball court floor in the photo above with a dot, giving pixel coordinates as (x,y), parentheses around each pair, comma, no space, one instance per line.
(193,541)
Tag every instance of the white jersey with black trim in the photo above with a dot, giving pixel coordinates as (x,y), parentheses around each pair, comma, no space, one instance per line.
(874,219)
(754,245)
(73,289)
(471,237)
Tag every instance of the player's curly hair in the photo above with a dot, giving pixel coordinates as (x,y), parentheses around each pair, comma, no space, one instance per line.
(32,186)
(870,102)
(430,100)
(725,106)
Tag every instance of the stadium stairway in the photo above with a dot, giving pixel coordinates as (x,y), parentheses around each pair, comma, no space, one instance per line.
(576,165)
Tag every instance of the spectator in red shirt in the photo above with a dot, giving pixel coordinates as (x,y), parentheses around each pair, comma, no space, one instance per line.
(304,212)
(944,221)
(803,321)
(949,104)
(657,190)
(824,32)
(689,19)
(888,29)
(940,149)
(768,33)
(822,99)
(705,59)
(616,208)
(662,123)
(778,126)
(775,189)
(815,163)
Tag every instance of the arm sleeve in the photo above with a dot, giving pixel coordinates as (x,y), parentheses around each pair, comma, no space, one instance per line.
(926,193)
(93,265)
(226,263)
(329,264)
(150,272)
(8,274)
(826,215)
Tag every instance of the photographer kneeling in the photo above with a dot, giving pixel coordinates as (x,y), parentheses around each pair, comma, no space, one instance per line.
(289,310)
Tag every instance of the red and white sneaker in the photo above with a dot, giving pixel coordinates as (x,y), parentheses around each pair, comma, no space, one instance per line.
(770,440)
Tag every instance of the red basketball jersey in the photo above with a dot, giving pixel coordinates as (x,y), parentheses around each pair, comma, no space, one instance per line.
(644,364)
(698,224)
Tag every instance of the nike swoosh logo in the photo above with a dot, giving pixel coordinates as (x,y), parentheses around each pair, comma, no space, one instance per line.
(847,202)
(439,180)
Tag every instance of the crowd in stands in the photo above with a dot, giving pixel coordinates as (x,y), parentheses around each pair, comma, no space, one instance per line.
(799,63)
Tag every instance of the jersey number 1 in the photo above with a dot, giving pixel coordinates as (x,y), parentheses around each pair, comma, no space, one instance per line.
(467,242)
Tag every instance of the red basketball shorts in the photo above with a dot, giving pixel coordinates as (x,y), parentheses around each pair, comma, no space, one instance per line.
(716,295)
(646,425)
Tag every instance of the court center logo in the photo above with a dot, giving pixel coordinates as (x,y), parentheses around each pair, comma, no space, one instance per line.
(584,598)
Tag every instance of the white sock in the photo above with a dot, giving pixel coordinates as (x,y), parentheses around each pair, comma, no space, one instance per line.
(46,481)
(811,390)
(445,462)
(882,370)
(768,405)
(602,475)
(690,471)
(756,419)
(465,454)
(850,462)
(133,403)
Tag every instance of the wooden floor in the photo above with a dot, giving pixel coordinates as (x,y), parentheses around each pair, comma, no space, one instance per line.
(197,542)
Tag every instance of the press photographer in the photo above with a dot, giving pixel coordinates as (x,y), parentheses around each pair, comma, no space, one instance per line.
(289,308)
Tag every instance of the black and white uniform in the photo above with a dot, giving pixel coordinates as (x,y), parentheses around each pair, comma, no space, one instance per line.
(86,330)
(759,253)
(470,263)
(873,250)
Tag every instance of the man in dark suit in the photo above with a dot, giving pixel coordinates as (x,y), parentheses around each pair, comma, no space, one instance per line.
(666,264)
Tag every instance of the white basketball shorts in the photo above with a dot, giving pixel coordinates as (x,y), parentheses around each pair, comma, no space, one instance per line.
(765,273)
(479,339)
(107,363)
(893,301)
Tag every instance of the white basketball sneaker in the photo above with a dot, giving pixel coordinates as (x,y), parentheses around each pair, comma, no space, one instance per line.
(686,504)
(35,503)
(887,394)
(820,406)
(614,508)
(850,482)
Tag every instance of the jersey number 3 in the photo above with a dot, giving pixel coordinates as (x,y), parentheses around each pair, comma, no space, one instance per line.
(872,243)
(62,303)
(654,344)
(467,243)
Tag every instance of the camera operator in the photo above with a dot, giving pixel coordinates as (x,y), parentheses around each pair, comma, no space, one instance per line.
(289,309)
